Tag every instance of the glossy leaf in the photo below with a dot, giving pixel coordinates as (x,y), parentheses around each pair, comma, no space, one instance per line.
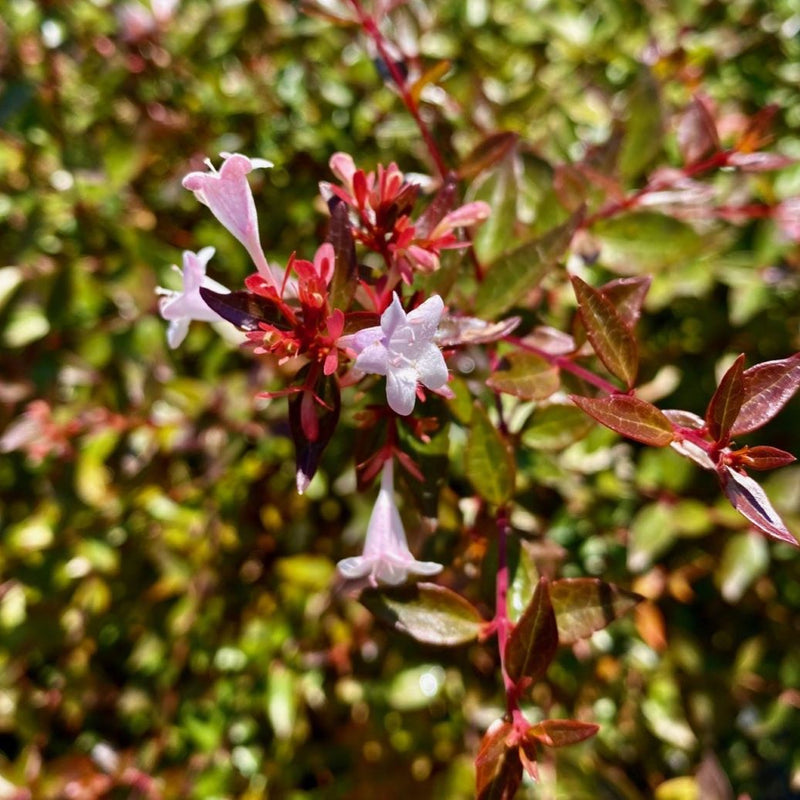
(768,387)
(627,296)
(726,402)
(750,500)
(610,337)
(525,375)
(533,643)
(632,417)
(489,459)
(244,310)
(585,605)
(429,613)
(510,276)
(562,732)
(498,767)
(455,331)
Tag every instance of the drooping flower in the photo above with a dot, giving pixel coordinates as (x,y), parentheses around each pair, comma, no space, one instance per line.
(180,308)
(402,349)
(230,198)
(386,558)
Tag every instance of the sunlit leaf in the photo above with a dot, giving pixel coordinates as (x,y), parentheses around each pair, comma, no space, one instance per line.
(498,188)
(764,457)
(630,416)
(611,338)
(525,375)
(745,558)
(498,767)
(627,296)
(429,613)
(489,459)
(533,643)
(510,276)
(768,387)
(726,402)
(553,427)
(562,732)
(585,605)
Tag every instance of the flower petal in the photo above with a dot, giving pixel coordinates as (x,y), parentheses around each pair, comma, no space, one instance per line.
(424,319)
(373,359)
(431,368)
(355,567)
(401,389)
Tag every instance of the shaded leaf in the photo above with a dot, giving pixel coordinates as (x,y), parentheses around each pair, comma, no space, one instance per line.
(429,613)
(644,126)
(498,767)
(554,427)
(585,605)
(697,132)
(517,271)
(562,732)
(630,416)
(750,500)
(764,457)
(726,402)
(489,459)
(442,203)
(525,375)
(627,296)
(533,643)
(652,533)
(345,274)
(745,558)
(244,310)
(487,153)
(611,338)
(768,387)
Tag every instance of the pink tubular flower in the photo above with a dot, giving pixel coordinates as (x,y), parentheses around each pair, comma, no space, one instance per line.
(180,308)
(386,558)
(402,349)
(227,193)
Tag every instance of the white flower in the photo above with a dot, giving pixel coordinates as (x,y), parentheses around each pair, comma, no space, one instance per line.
(180,308)
(402,349)
(230,198)
(386,557)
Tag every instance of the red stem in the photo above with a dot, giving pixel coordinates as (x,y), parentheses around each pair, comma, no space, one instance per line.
(501,622)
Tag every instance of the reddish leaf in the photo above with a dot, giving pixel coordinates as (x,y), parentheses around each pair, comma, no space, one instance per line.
(611,338)
(498,767)
(488,152)
(525,375)
(687,448)
(697,132)
(758,131)
(760,162)
(562,732)
(726,403)
(768,387)
(630,416)
(345,274)
(427,612)
(533,642)
(764,457)
(442,203)
(749,499)
(585,605)
(243,309)
(550,340)
(627,296)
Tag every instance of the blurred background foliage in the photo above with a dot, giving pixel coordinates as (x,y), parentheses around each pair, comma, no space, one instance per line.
(169,620)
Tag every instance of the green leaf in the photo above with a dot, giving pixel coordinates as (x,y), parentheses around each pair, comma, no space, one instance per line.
(585,605)
(533,643)
(525,576)
(489,459)
(630,416)
(499,189)
(498,766)
(561,732)
(427,612)
(554,427)
(745,558)
(652,533)
(724,407)
(644,126)
(611,338)
(525,375)
(517,271)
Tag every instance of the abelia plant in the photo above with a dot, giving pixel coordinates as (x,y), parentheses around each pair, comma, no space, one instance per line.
(373,301)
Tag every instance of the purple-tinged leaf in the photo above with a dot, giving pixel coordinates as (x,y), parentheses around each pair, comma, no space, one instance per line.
(726,403)
(763,457)
(427,612)
(345,274)
(244,310)
(627,296)
(498,766)
(313,417)
(532,645)
(456,331)
(632,417)
(750,500)
(561,732)
(442,204)
(514,273)
(686,447)
(685,419)
(585,605)
(697,132)
(760,162)
(525,375)
(768,387)
(550,340)
(610,337)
